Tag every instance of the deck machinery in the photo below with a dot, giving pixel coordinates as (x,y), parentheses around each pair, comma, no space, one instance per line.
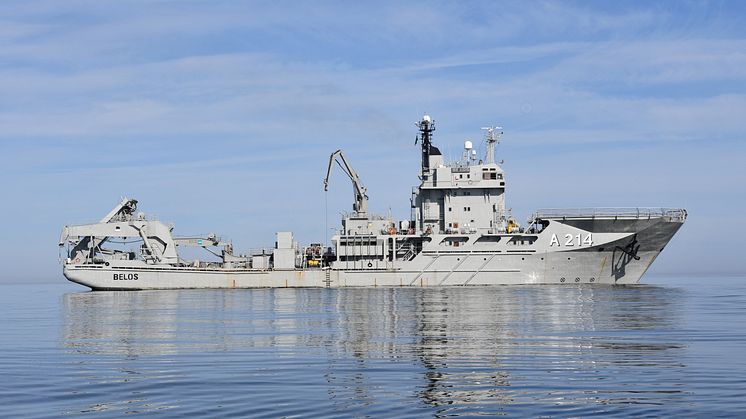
(459,233)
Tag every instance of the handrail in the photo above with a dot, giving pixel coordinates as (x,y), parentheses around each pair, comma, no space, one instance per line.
(553,213)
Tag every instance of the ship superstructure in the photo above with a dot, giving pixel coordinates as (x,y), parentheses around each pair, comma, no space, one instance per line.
(459,233)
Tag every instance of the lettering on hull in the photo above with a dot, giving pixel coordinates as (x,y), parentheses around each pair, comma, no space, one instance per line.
(569,240)
(125,277)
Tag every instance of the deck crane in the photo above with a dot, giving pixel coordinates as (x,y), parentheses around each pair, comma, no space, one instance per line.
(360,206)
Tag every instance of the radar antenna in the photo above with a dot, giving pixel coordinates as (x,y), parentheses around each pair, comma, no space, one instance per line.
(493,137)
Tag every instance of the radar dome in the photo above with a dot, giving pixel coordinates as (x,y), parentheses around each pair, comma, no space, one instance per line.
(468,145)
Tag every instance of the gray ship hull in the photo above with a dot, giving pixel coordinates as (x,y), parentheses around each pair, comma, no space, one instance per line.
(617,262)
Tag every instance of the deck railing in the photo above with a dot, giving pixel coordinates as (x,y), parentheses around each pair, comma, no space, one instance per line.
(671,213)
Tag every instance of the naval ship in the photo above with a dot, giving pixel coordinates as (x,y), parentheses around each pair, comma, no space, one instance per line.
(459,234)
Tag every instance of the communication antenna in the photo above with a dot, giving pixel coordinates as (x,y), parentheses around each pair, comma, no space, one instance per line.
(493,137)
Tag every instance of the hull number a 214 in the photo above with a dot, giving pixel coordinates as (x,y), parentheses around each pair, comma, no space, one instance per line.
(569,240)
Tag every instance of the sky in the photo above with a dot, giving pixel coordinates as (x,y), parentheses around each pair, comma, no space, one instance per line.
(219,116)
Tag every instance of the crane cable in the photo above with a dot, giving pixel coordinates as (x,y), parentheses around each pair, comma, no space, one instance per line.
(326,218)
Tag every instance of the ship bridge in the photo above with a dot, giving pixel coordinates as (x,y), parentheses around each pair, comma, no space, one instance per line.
(466,196)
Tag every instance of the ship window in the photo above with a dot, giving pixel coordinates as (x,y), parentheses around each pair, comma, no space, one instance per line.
(449,209)
(487,240)
(454,241)
(499,175)
(522,240)
(468,176)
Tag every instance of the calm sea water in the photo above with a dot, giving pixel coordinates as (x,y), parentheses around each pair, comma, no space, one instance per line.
(676,347)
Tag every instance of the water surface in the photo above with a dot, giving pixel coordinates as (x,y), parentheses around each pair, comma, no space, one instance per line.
(673,348)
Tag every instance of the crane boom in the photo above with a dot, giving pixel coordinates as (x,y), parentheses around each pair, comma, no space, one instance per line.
(360,205)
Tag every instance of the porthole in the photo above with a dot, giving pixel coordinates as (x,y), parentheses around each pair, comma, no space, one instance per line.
(593,279)
(577,279)
(568,258)
(562,279)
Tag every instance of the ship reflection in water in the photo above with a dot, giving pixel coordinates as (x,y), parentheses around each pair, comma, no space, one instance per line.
(378,352)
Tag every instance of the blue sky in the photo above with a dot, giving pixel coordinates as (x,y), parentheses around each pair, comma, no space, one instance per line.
(220,115)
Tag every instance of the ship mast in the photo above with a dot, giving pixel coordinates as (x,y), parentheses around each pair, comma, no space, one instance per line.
(493,137)
(426,126)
